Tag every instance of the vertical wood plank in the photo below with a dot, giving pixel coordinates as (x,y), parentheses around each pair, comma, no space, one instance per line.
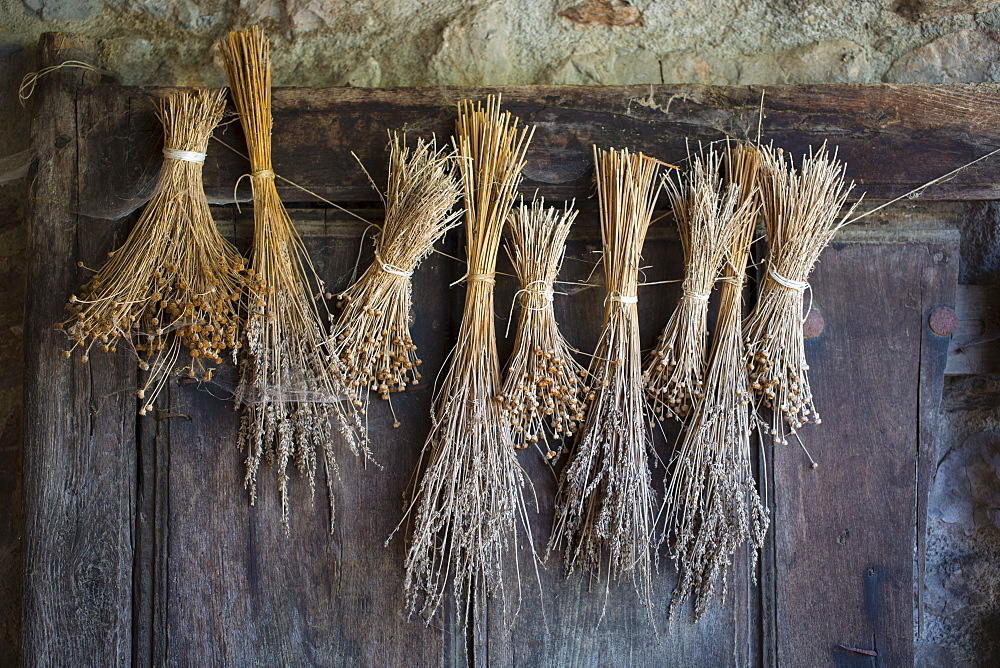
(845,532)
(79,467)
(582,622)
(239,591)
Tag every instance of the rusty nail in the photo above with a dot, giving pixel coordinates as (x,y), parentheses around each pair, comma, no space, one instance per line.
(814,324)
(943,321)
(858,650)
(169,416)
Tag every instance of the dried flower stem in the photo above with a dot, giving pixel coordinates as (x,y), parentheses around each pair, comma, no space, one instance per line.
(675,370)
(801,213)
(292,395)
(470,496)
(712,504)
(605,500)
(544,382)
(371,337)
(175,282)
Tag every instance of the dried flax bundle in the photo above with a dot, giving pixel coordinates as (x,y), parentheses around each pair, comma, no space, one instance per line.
(291,394)
(712,504)
(801,211)
(372,334)
(674,376)
(175,283)
(544,383)
(469,498)
(604,506)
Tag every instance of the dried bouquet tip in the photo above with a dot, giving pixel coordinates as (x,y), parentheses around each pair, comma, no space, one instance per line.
(294,397)
(545,389)
(371,337)
(175,283)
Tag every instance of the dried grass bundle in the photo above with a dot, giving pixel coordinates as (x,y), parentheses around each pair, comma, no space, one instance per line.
(175,283)
(605,500)
(469,498)
(675,370)
(801,211)
(292,395)
(372,335)
(712,505)
(544,383)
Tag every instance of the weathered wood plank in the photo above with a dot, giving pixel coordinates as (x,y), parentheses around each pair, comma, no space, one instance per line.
(844,533)
(239,591)
(877,128)
(975,346)
(79,466)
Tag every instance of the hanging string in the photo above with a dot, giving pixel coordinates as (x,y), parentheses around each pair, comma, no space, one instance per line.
(30,80)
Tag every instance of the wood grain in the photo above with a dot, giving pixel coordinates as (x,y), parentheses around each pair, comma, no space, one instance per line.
(893,137)
(79,464)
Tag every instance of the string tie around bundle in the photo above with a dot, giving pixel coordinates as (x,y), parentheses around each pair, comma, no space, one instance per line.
(472,278)
(798,286)
(196,157)
(688,292)
(623,299)
(392,269)
(262,174)
(543,290)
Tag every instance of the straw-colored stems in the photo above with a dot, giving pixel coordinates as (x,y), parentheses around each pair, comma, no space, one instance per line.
(469,499)
(801,211)
(371,337)
(293,396)
(545,390)
(604,506)
(674,374)
(172,290)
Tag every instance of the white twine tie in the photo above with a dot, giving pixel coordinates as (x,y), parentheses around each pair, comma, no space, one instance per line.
(185,156)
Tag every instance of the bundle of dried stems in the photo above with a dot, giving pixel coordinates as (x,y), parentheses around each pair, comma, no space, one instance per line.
(605,500)
(544,382)
(712,504)
(469,499)
(372,334)
(675,370)
(175,283)
(801,211)
(292,394)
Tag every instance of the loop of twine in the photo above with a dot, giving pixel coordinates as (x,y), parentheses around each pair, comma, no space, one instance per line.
(488,278)
(688,292)
(30,79)
(544,290)
(259,174)
(185,156)
(392,269)
(798,286)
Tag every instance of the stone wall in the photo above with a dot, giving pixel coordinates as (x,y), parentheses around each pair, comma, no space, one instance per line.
(590,42)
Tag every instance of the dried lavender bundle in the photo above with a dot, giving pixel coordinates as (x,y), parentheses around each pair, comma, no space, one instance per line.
(371,337)
(291,393)
(175,283)
(712,505)
(544,384)
(675,370)
(604,506)
(801,211)
(470,496)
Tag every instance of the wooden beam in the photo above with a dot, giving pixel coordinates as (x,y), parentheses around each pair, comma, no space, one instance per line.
(894,137)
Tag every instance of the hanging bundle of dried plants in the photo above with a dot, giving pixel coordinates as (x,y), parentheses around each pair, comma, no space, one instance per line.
(175,283)
(371,337)
(469,499)
(544,384)
(801,211)
(675,370)
(293,396)
(712,505)
(604,506)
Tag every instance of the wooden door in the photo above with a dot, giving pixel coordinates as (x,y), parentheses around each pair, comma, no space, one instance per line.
(141,547)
